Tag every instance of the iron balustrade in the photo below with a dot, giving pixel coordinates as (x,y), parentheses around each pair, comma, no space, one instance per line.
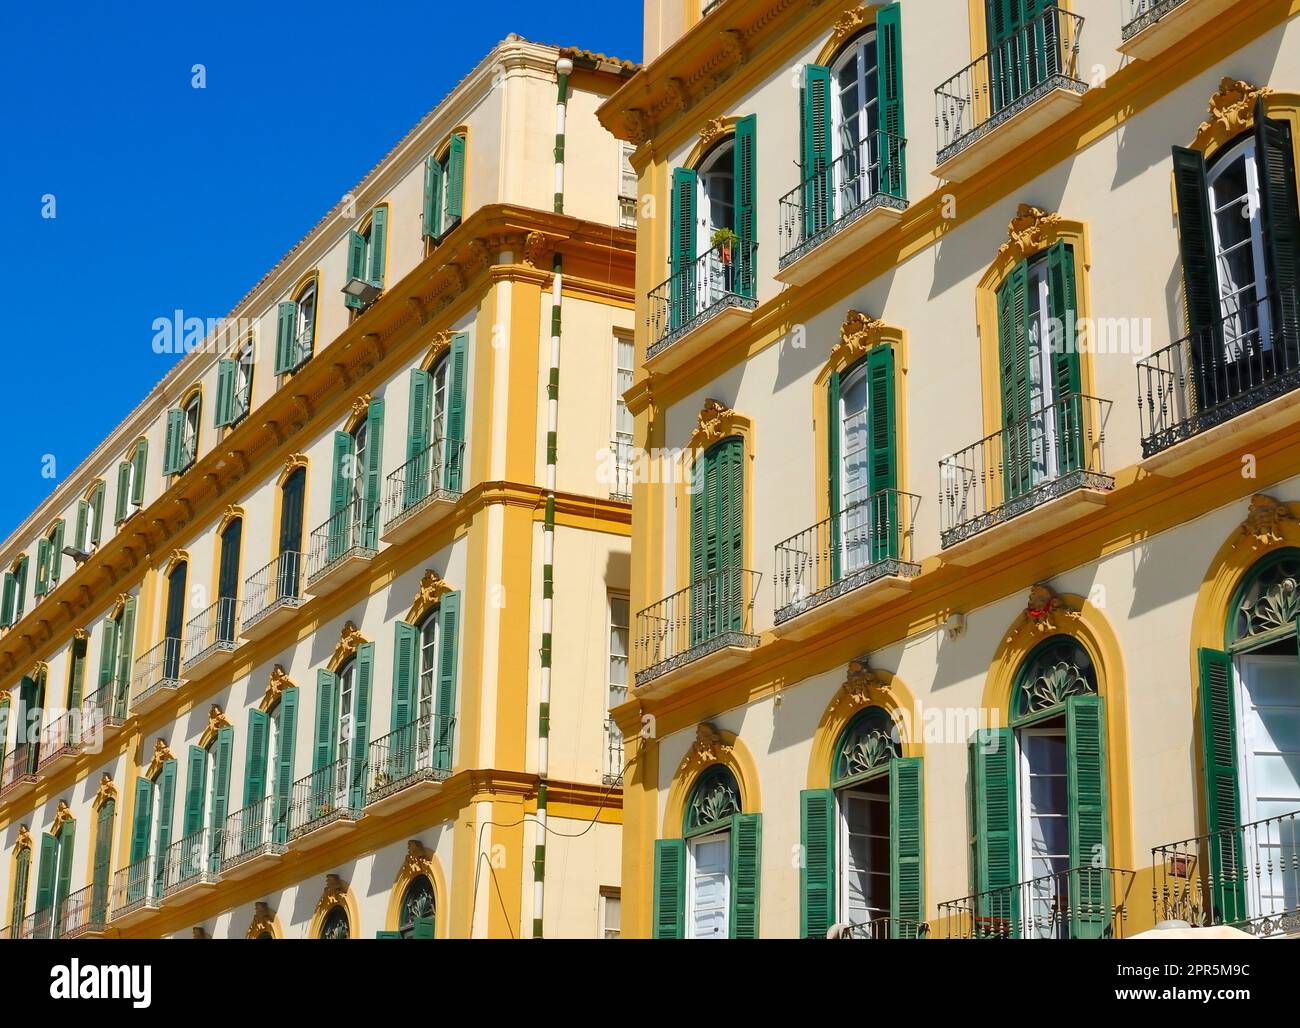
(865,541)
(436,472)
(134,886)
(351,530)
(1076,903)
(190,860)
(159,668)
(868,175)
(1248,877)
(254,830)
(1242,360)
(19,766)
(40,924)
(620,468)
(108,705)
(715,611)
(332,793)
(997,85)
(277,584)
(66,733)
(85,911)
(1054,450)
(882,928)
(417,752)
(215,629)
(723,276)
(1140,14)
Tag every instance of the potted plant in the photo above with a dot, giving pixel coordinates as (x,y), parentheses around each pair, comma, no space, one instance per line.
(724,241)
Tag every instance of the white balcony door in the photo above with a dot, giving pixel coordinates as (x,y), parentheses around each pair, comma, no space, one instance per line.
(855,118)
(708,893)
(1239,251)
(1268,716)
(716,208)
(438,409)
(1044,832)
(425,701)
(343,750)
(1041,431)
(854,473)
(864,853)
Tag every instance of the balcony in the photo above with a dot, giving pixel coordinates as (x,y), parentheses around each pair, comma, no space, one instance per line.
(1214,383)
(342,547)
(135,893)
(272,594)
(615,762)
(620,468)
(63,738)
(846,564)
(105,709)
(697,632)
(1152,27)
(882,928)
(700,305)
(1051,463)
(1247,877)
(421,492)
(327,803)
(18,774)
(1009,95)
(85,913)
(254,839)
(300,347)
(211,638)
(40,924)
(157,676)
(842,208)
(191,863)
(408,765)
(1077,903)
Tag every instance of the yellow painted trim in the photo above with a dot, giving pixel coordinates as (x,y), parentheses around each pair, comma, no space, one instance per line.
(345,898)
(892,696)
(837,42)
(723,129)
(424,863)
(728,750)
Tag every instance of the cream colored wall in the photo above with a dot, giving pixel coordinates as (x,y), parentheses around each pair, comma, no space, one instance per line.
(581,859)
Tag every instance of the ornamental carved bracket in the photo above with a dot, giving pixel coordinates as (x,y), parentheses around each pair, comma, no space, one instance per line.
(859,333)
(61,817)
(107,791)
(715,422)
(419,861)
(263,921)
(713,130)
(1043,614)
(1266,521)
(861,684)
(359,407)
(438,345)
(1231,110)
(275,687)
(24,840)
(635,127)
(847,24)
(430,590)
(1030,231)
(349,639)
(334,894)
(710,747)
(538,246)
(678,95)
(217,720)
(733,46)
(161,754)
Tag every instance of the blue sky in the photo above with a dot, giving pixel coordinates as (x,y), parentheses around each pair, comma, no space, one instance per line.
(168,197)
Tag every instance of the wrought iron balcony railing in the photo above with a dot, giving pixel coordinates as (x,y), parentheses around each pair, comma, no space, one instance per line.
(135,886)
(418,752)
(159,668)
(1248,877)
(998,85)
(1055,450)
(867,176)
(865,541)
(724,276)
(714,612)
(620,469)
(1077,903)
(108,704)
(437,472)
(336,792)
(1243,360)
(85,911)
(191,860)
(279,584)
(20,764)
(352,531)
(614,757)
(212,631)
(257,829)
(882,928)
(1141,14)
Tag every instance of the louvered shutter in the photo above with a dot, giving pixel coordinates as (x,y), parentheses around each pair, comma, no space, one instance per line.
(1281,219)
(906,846)
(1090,858)
(418,460)
(815,130)
(886,537)
(221,760)
(993,807)
(356,266)
(224,413)
(456,175)
(284,763)
(455,453)
(670,889)
(1200,276)
(746,874)
(360,758)
(817,873)
(893,129)
(140,466)
(745,165)
(1013,361)
(682,249)
(374,470)
(432,197)
(1219,748)
(378,245)
(445,714)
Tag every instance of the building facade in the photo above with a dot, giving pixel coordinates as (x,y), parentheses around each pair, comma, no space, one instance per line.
(965,549)
(320,642)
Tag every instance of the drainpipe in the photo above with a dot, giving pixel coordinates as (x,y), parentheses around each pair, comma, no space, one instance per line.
(563,68)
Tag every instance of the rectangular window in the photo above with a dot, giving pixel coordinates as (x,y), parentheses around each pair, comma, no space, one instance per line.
(708,893)
(610,912)
(864,853)
(619,620)
(621,445)
(626,187)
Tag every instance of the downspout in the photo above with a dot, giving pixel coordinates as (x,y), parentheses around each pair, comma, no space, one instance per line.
(563,68)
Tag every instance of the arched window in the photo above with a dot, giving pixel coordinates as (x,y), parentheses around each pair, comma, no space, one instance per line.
(116,652)
(336,924)
(287,576)
(295,334)
(417,913)
(182,440)
(174,624)
(341,759)
(90,518)
(444,188)
(22,876)
(367,254)
(232,537)
(354,495)
(207,801)
(15,592)
(435,431)
(49,558)
(1041,855)
(54,880)
(130,480)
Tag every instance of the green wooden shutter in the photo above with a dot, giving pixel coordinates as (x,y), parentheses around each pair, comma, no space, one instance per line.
(1281,219)
(1090,858)
(361,725)
(906,846)
(886,535)
(1222,791)
(1196,246)
(815,130)
(744,154)
(123,491)
(225,746)
(388,935)
(284,762)
(889,30)
(173,455)
(97,522)
(374,471)
(20,587)
(56,553)
(22,872)
(670,889)
(125,656)
(76,673)
(340,524)
(418,463)
(286,326)
(455,455)
(356,266)
(107,660)
(445,713)
(1013,362)
(46,869)
(63,882)
(378,245)
(993,806)
(423,928)
(406,655)
(746,874)
(682,249)
(140,466)
(140,824)
(102,869)
(83,521)
(1067,384)
(42,566)
(833,491)
(731,534)
(255,768)
(456,175)
(196,788)
(327,701)
(432,197)
(817,817)
(224,413)
(7,609)
(166,802)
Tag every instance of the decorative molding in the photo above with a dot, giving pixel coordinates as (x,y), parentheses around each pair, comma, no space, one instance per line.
(335,894)
(119,606)
(635,128)
(849,23)
(438,345)
(24,840)
(61,817)
(263,921)
(1265,521)
(80,635)
(715,422)
(537,248)
(275,687)
(710,747)
(713,130)
(733,46)
(859,333)
(678,95)
(349,639)
(292,463)
(861,684)
(232,513)
(419,861)
(1029,232)
(38,669)
(217,720)
(1041,612)
(360,405)
(161,754)
(175,558)
(1231,110)
(107,791)
(427,594)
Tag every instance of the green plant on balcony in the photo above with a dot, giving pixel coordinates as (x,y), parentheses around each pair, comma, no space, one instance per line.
(724,240)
